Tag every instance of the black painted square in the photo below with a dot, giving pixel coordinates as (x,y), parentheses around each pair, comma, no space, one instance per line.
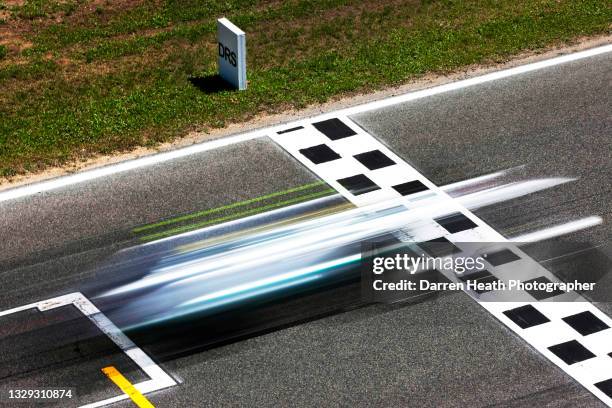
(358,184)
(334,129)
(374,160)
(542,294)
(410,187)
(585,323)
(483,276)
(605,387)
(571,352)
(293,129)
(439,247)
(320,154)
(502,257)
(526,316)
(456,223)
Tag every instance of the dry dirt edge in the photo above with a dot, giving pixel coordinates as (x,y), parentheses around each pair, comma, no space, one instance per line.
(266,120)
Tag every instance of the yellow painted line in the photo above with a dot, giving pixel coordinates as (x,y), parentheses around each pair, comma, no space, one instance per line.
(127,387)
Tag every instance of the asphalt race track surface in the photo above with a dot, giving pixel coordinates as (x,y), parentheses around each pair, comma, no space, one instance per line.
(442,351)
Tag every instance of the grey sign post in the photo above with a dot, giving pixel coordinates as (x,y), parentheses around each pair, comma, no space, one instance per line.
(232,53)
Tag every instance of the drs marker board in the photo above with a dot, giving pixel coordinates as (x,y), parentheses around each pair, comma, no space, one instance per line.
(231,49)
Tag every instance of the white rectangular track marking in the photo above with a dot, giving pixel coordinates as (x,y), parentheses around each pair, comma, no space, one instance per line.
(159,379)
(336,149)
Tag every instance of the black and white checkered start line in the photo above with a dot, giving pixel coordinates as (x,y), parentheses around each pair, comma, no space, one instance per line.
(571,332)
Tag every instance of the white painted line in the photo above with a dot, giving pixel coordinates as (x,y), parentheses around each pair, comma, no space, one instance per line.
(159,379)
(494,76)
(89,175)
(109,170)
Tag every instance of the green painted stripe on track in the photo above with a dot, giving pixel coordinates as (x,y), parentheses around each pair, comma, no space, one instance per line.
(253,211)
(226,207)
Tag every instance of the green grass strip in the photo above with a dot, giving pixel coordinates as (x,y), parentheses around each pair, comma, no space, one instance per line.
(253,211)
(226,207)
